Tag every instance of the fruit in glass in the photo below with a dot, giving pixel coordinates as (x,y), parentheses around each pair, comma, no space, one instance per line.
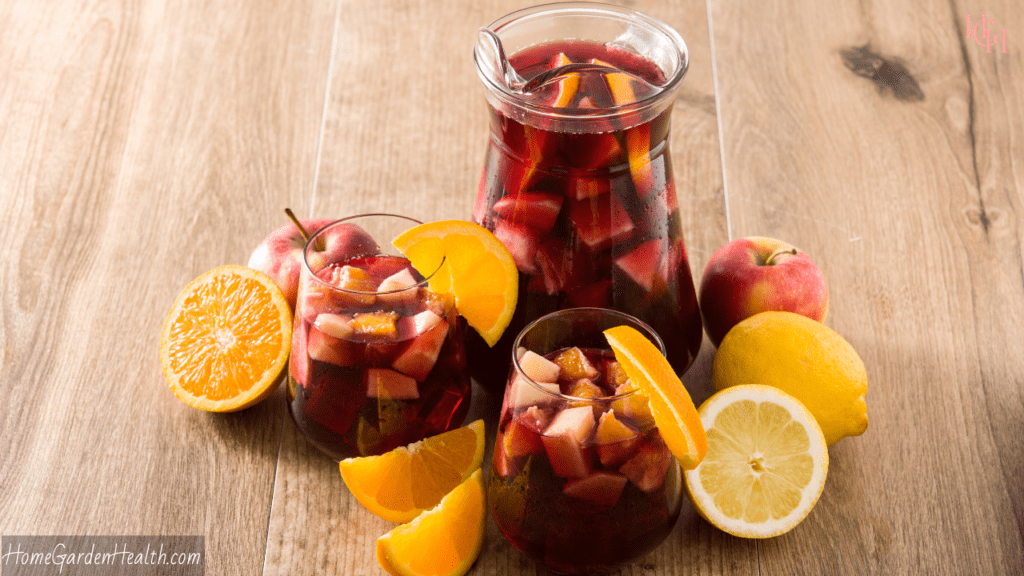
(581,479)
(577,180)
(378,359)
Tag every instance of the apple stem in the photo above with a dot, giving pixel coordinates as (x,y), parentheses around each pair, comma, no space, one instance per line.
(302,229)
(768,261)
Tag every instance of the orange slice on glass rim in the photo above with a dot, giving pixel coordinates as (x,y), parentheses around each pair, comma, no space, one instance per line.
(226,340)
(673,410)
(472,265)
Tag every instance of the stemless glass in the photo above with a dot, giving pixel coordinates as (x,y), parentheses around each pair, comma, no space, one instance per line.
(577,180)
(378,359)
(581,479)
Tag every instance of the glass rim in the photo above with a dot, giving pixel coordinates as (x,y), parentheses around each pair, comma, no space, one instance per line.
(664,92)
(558,395)
(312,238)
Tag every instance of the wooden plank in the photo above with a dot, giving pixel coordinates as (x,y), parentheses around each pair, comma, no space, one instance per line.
(405,132)
(904,184)
(142,144)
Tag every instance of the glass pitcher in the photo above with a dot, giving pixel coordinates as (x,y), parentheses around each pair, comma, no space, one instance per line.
(577,179)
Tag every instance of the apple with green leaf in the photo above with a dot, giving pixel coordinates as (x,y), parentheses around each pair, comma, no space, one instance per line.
(757,274)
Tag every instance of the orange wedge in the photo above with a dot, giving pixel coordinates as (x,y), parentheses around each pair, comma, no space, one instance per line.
(443,541)
(471,265)
(403,483)
(638,138)
(226,339)
(670,403)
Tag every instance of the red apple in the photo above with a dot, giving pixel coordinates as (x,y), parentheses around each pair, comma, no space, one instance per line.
(279,255)
(757,274)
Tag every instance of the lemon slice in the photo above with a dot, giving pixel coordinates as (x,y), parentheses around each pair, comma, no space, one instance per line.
(443,541)
(471,265)
(766,462)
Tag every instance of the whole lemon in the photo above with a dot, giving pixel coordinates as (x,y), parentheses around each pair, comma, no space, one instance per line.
(804,358)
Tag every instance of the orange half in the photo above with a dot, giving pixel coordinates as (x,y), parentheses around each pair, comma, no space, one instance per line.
(670,403)
(226,340)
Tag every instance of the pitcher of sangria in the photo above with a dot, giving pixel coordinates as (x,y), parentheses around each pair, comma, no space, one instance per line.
(577,180)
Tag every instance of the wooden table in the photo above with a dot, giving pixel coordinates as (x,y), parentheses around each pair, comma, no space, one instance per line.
(143,143)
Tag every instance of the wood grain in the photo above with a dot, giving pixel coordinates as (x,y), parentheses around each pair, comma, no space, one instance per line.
(405,132)
(142,144)
(912,208)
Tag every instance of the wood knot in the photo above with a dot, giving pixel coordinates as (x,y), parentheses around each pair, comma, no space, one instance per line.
(885,71)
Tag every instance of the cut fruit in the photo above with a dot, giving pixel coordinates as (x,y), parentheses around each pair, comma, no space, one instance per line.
(335,325)
(539,368)
(537,210)
(638,138)
(377,325)
(670,403)
(418,357)
(521,242)
(567,86)
(408,480)
(413,326)
(615,440)
(226,339)
(523,434)
(766,463)
(357,285)
(601,221)
(388,384)
(555,259)
(642,264)
(525,394)
(298,362)
(575,366)
(470,263)
(601,488)
(648,466)
(401,286)
(563,441)
(636,406)
(332,350)
(584,187)
(444,541)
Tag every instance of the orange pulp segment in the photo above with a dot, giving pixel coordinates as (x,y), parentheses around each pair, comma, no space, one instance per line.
(638,138)
(443,541)
(670,403)
(226,339)
(472,265)
(408,480)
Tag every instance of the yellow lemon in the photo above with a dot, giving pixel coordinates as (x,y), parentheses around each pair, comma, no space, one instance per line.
(804,358)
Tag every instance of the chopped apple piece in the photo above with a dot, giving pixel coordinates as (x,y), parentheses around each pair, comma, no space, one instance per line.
(536,210)
(525,394)
(563,442)
(401,285)
(616,440)
(601,221)
(377,324)
(583,187)
(575,366)
(439,304)
(556,264)
(298,361)
(648,467)
(412,326)
(600,487)
(521,241)
(641,265)
(523,434)
(335,351)
(384,383)
(417,359)
(539,368)
(336,325)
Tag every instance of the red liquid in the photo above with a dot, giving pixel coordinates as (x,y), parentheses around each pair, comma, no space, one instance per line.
(370,391)
(584,228)
(620,503)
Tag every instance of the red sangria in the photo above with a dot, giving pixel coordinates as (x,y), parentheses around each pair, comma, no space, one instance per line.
(378,359)
(577,180)
(581,480)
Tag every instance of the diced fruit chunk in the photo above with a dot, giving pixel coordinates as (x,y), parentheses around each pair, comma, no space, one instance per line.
(523,434)
(354,281)
(335,325)
(539,368)
(335,351)
(647,468)
(567,86)
(384,383)
(420,355)
(614,374)
(401,284)
(521,242)
(635,406)
(585,388)
(563,442)
(524,394)
(574,365)
(638,138)
(555,261)
(298,362)
(413,326)
(616,440)
(601,488)
(534,209)
(377,324)
(642,264)
(601,221)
